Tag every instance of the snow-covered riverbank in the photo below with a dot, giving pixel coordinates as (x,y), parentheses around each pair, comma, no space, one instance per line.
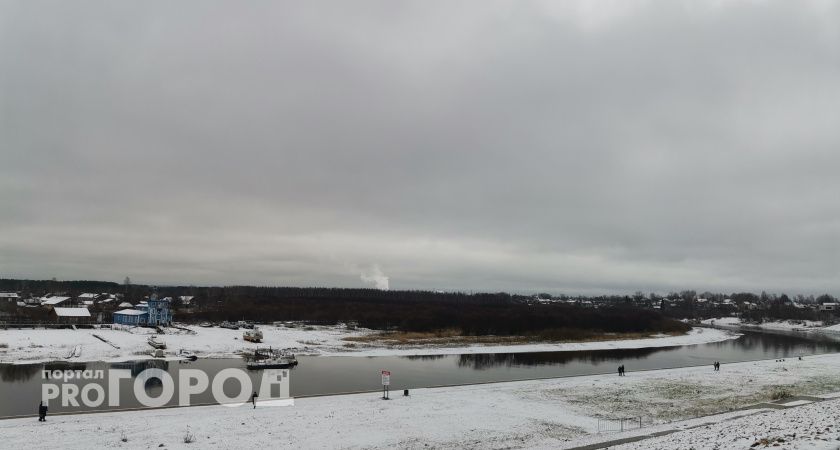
(30,346)
(556,413)
(778,325)
(693,337)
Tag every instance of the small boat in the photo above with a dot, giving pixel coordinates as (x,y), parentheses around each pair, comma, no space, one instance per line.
(205,324)
(188,355)
(229,325)
(272,360)
(156,343)
(279,362)
(254,335)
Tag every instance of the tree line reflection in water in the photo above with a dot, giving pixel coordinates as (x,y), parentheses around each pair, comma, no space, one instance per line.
(11,373)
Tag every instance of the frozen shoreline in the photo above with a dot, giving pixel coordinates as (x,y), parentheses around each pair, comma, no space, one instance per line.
(29,346)
(693,337)
(779,325)
(554,413)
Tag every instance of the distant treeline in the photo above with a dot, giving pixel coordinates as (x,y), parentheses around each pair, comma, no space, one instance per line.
(472,314)
(489,314)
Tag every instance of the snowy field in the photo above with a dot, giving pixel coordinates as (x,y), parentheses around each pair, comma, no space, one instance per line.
(814,426)
(557,413)
(29,346)
(785,325)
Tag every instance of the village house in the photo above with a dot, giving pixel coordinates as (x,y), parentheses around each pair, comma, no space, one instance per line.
(70,316)
(54,301)
(87,297)
(133,317)
(9,296)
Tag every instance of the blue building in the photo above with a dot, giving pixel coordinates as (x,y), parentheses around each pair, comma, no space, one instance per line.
(133,317)
(154,312)
(160,310)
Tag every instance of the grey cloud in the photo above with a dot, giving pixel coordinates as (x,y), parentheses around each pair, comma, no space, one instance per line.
(468,145)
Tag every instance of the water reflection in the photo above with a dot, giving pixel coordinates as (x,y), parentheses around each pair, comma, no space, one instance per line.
(592,357)
(137,367)
(13,373)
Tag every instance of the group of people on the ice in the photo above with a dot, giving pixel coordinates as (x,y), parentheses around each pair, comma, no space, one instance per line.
(621,370)
(716,365)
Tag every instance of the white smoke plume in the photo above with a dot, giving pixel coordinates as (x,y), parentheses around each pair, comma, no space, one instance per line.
(375,277)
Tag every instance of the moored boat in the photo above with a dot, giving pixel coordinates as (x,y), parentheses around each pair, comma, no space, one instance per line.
(156,342)
(254,335)
(271,359)
(229,325)
(188,355)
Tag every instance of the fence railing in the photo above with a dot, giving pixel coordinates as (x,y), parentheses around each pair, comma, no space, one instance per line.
(618,425)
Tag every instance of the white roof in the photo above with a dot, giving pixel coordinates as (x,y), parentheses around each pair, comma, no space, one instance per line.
(8,295)
(125,305)
(54,300)
(88,302)
(72,312)
(130,312)
(88,295)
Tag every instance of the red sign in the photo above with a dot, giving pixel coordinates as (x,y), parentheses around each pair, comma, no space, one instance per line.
(386,377)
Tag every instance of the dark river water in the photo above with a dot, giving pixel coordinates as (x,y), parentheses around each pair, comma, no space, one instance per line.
(21,385)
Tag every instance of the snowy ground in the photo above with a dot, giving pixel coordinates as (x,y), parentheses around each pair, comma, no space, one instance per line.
(29,346)
(557,413)
(810,325)
(813,426)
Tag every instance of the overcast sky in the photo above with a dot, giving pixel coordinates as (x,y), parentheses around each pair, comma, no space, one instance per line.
(477,145)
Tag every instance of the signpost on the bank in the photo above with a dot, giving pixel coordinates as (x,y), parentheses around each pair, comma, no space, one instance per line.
(386,382)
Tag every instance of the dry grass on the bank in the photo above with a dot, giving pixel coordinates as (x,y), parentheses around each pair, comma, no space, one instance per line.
(455,337)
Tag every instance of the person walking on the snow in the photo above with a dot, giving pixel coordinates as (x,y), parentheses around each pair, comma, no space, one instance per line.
(42,412)
(254,399)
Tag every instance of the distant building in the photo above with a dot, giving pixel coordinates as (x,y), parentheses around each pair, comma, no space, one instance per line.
(70,316)
(133,317)
(154,312)
(828,307)
(9,296)
(53,301)
(160,310)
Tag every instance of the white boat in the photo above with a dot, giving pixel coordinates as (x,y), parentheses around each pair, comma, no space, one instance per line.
(229,325)
(254,335)
(156,343)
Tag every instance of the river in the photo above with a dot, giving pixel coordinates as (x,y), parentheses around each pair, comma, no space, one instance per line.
(20,385)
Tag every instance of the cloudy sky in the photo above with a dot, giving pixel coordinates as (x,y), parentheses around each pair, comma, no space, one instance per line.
(478,145)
